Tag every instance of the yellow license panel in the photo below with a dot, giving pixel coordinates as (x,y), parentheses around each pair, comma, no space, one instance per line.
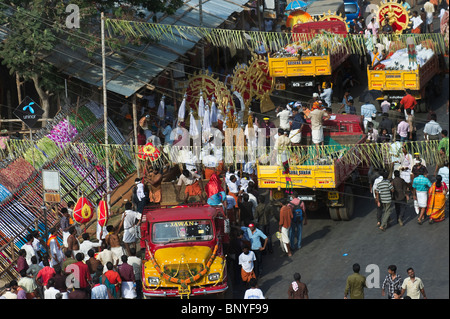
(333,195)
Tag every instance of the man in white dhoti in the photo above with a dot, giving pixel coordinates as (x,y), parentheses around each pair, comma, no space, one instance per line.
(131,221)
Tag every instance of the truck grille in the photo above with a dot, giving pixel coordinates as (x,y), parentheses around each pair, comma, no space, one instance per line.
(183,271)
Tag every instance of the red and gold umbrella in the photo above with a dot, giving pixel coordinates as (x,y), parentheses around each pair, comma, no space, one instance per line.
(298,16)
(148,152)
(83,210)
(102,213)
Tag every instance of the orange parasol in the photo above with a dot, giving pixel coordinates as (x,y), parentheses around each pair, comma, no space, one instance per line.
(149,152)
(298,16)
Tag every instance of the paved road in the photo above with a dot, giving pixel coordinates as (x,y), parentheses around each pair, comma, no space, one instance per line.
(324,268)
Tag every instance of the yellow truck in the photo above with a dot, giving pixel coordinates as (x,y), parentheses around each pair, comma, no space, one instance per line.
(329,179)
(393,83)
(294,71)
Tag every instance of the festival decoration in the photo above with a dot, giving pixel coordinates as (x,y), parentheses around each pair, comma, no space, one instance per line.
(298,16)
(161,107)
(242,40)
(102,213)
(329,16)
(398,15)
(83,211)
(149,152)
(182,110)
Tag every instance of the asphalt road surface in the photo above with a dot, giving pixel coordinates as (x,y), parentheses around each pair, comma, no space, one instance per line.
(330,248)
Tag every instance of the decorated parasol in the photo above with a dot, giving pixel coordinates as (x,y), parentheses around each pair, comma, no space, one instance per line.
(102,213)
(148,152)
(298,16)
(83,210)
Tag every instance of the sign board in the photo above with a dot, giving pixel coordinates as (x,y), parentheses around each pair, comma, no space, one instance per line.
(29,112)
(50,180)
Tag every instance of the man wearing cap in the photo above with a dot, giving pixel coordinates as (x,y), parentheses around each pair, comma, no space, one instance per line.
(254,236)
(327,93)
(267,125)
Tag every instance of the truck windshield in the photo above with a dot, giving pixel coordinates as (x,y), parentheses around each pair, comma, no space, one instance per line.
(182,231)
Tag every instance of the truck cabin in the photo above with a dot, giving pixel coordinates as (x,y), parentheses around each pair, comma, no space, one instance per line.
(182,225)
(184,251)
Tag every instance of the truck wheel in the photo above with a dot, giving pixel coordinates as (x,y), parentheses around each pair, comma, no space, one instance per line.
(422,106)
(346,212)
(334,213)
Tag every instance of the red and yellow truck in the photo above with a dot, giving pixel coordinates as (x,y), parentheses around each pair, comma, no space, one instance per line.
(184,251)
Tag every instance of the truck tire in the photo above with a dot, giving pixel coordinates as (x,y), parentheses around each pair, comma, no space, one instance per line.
(345,212)
(334,213)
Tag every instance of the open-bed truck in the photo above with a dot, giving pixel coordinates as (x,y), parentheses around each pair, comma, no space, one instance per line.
(393,83)
(310,71)
(328,180)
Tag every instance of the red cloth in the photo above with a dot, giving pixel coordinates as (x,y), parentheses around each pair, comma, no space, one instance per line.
(45,273)
(83,274)
(214,186)
(408,101)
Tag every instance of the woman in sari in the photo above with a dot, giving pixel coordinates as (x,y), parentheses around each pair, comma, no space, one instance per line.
(436,200)
(214,191)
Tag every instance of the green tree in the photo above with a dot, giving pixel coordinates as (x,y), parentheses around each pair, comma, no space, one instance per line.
(35,27)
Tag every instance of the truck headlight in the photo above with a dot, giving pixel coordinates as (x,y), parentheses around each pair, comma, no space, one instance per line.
(153,281)
(214,276)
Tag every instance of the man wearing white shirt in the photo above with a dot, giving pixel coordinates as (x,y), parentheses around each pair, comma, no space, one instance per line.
(432,129)
(87,245)
(417,22)
(326,95)
(284,117)
(373,190)
(130,226)
(28,247)
(367,111)
(50,291)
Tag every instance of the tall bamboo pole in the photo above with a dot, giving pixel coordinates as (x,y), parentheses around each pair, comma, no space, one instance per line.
(105,113)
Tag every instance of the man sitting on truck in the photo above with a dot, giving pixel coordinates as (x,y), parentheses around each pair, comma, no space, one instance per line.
(192,182)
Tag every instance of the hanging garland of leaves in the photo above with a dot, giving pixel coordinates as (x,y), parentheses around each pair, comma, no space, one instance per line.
(354,43)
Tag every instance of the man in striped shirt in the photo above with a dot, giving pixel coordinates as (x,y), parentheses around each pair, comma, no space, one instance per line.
(384,199)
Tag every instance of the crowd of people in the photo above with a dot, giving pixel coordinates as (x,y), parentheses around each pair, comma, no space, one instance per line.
(393,286)
(108,267)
